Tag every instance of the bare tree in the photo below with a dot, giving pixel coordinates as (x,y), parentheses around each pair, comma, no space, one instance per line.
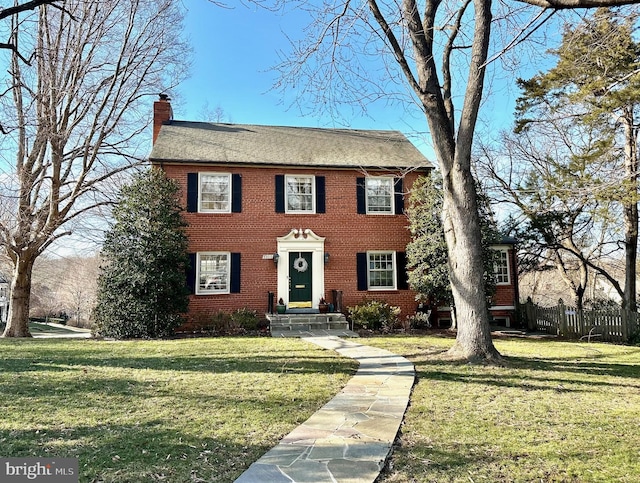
(14,11)
(217,114)
(65,285)
(73,119)
(560,181)
(414,35)
(80,289)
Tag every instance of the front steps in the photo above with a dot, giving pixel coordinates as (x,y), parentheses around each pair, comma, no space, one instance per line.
(309,325)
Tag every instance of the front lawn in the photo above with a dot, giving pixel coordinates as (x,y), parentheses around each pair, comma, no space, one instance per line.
(205,409)
(173,411)
(558,412)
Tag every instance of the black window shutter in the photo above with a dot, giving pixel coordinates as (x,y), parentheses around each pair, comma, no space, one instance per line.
(192,192)
(398,190)
(279,193)
(235,273)
(401,271)
(191,273)
(361,267)
(360,194)
(236,193)
(320,195)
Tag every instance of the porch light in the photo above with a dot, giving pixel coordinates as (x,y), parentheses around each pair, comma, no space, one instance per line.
(276,257)
(326,257)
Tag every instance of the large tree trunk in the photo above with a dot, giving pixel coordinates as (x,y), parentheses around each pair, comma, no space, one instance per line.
(462,220)
(462,231)
(630,212)
(18,322)
(630,256)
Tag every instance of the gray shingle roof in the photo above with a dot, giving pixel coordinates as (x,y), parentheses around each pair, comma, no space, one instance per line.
(201,142)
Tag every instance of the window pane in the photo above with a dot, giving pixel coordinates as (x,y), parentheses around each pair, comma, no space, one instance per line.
(501,268)
(299,193)
(381,270)
(379,195)
(214,192)
(214,273)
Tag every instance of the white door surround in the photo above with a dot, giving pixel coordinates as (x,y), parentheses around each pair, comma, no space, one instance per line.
(296,241)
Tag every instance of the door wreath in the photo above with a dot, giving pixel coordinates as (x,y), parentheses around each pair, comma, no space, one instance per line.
(300,264)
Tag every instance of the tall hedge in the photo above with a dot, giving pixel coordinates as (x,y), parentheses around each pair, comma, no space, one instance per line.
(141,287)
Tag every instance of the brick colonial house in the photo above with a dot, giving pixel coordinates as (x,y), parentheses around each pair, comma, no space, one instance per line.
(301,213)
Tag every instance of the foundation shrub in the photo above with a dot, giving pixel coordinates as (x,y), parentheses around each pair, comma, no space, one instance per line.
(374,315)
(245,318)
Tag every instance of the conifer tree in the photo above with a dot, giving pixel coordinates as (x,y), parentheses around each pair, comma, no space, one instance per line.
(596,83)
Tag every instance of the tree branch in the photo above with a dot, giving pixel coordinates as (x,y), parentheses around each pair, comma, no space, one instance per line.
(23,7)
(577,4)
(397,50)
(14,49)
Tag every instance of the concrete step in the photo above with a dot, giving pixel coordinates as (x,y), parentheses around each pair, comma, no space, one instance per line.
(307,322)
(293,333)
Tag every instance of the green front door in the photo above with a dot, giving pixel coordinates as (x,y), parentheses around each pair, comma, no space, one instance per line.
(300,271)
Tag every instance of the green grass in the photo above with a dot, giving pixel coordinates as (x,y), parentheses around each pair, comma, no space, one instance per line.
(205,409)
(182,410)
(557,411)
(39,328)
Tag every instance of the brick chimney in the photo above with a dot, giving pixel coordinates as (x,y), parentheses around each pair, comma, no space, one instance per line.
(162,113)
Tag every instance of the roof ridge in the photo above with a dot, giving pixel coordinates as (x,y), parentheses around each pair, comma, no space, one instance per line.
(346,129)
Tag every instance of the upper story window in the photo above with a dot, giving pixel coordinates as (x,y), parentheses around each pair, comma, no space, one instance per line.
(215,193)
(501,268)
(300,194)
(210,192)
(382,270)
(213,269)
(379,195)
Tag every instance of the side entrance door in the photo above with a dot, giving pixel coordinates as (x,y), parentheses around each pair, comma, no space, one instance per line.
(300,276)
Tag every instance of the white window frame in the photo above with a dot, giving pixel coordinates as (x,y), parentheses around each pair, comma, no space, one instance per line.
(312,179)
(201,177)
(502,269)
(394,270)
(391,183)
(210,291)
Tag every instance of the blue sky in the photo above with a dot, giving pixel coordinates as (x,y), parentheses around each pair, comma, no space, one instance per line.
(235,49)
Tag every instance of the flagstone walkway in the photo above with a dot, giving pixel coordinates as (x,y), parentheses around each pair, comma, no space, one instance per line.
(350,438)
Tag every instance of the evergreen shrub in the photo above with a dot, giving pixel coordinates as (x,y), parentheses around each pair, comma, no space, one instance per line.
(374,315)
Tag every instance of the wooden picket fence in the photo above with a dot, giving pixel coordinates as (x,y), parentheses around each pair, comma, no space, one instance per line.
(613,325)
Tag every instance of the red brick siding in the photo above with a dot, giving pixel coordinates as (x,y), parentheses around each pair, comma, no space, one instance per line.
(162,112)
(505,295)
(253,233)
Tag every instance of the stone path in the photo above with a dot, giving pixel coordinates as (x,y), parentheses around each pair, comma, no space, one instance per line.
(69,333)
(350,438)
